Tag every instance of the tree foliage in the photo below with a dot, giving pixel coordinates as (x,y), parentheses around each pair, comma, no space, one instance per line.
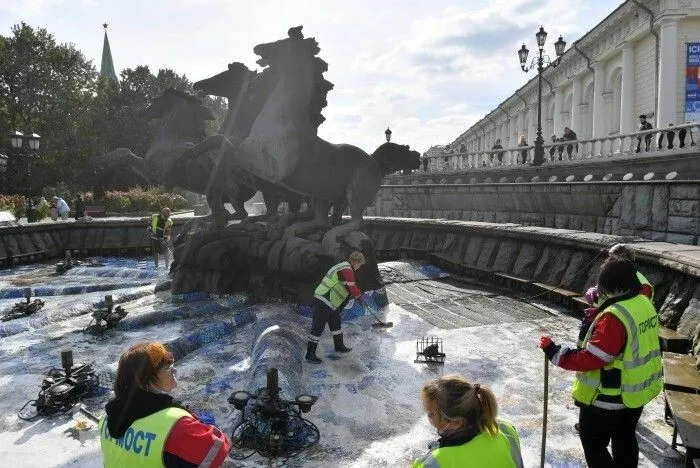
(44,88)
(53,90)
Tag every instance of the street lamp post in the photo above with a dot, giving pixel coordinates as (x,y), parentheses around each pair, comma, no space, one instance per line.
(3,170)
(17,140)
(540,61)
(387,134)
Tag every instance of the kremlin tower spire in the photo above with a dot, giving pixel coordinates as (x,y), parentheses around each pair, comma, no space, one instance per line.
(107,68)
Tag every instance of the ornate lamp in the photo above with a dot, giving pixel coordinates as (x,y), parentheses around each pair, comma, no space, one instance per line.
(541,37)
(387,133)
(522,55)
(16,139)
(559,46)
(33,141)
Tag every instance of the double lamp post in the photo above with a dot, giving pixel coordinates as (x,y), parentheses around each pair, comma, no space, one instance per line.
(540,61)
(18,140)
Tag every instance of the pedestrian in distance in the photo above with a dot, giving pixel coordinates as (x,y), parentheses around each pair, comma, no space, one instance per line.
(145,426)
(618,367)
(499,155)
(644,125)
(523,153)
(569,135)
(160,229)
(330,297)
(470,435)
(79,207)
(62,208)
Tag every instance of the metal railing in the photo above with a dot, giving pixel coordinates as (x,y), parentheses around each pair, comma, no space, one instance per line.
(679,139)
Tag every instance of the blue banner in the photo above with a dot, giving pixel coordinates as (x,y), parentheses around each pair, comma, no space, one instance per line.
(692,82)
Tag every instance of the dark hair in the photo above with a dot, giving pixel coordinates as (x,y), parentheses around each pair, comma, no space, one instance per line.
(139,366)
(622,252)
(642,116)
(454,397)
(618,277)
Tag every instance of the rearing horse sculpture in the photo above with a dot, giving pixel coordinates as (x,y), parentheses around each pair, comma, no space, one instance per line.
(183,118)
(282,154)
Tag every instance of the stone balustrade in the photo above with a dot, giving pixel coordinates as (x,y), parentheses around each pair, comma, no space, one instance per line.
(677,140)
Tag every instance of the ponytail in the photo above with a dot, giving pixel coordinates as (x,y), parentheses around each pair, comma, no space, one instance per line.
(454,397)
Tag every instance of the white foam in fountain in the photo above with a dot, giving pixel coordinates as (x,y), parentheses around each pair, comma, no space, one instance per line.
(369,412)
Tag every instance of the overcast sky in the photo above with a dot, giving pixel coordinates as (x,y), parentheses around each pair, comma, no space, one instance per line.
(427,69)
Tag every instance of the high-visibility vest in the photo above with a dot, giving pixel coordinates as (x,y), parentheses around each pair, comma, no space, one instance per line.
(159,231)
(634,377)
(142,444)
(483,451)
(331,290)
(644,281)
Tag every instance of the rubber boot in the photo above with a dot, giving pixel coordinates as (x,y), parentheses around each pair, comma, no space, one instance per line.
(339,346)
(311,353)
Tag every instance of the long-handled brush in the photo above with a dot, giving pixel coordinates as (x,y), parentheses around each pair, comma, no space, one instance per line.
(379,322)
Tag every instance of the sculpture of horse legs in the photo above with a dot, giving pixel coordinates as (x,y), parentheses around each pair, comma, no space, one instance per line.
(319,221)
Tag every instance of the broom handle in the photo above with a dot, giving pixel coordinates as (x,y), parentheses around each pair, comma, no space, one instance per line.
(544,415)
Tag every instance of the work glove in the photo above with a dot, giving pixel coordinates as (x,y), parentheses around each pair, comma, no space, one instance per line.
(592,295)
(548,346)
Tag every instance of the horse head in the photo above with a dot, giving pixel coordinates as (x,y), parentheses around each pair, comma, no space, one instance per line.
(391,157)
(293,60)
(228,83)
(183,116)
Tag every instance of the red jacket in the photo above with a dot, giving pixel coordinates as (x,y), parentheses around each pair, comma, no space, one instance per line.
(607,341)
(347,276)
(190,441)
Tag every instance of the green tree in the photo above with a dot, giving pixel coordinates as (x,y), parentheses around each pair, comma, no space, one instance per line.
(45,88)
(53,90)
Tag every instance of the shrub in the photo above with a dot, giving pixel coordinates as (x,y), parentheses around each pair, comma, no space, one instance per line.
(16,204)
(143,200)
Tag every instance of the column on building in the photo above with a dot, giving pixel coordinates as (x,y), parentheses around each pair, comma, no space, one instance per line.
(576,105)
(531,132)
(598,101)
(627,118)
(668,62)
(558,106)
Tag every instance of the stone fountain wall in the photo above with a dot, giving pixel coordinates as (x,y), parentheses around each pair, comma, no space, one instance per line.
(664,210)
(562,258)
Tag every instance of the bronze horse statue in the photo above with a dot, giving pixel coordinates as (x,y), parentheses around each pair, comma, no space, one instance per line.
(183,118)
(282,154)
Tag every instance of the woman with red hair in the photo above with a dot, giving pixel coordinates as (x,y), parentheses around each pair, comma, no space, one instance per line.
(145,427)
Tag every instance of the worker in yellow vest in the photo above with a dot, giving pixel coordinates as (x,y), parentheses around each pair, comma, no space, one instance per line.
(464,415)
(618,367)
(620,252)
(159,228)
(144,427)
(330,297)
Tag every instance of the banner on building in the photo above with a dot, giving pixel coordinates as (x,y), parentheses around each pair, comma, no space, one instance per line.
(692,82)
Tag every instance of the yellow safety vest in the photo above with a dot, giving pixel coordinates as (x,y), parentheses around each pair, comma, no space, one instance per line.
(143,443)
(160,232)
(634,377)
(331,290)
(483,451)
(643,280)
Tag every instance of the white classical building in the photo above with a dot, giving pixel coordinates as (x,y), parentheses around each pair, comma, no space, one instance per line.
(631,63)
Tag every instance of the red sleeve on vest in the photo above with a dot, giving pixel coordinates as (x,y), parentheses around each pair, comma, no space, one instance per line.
(608,337)
(347,276)
(648,291)
(191,440)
